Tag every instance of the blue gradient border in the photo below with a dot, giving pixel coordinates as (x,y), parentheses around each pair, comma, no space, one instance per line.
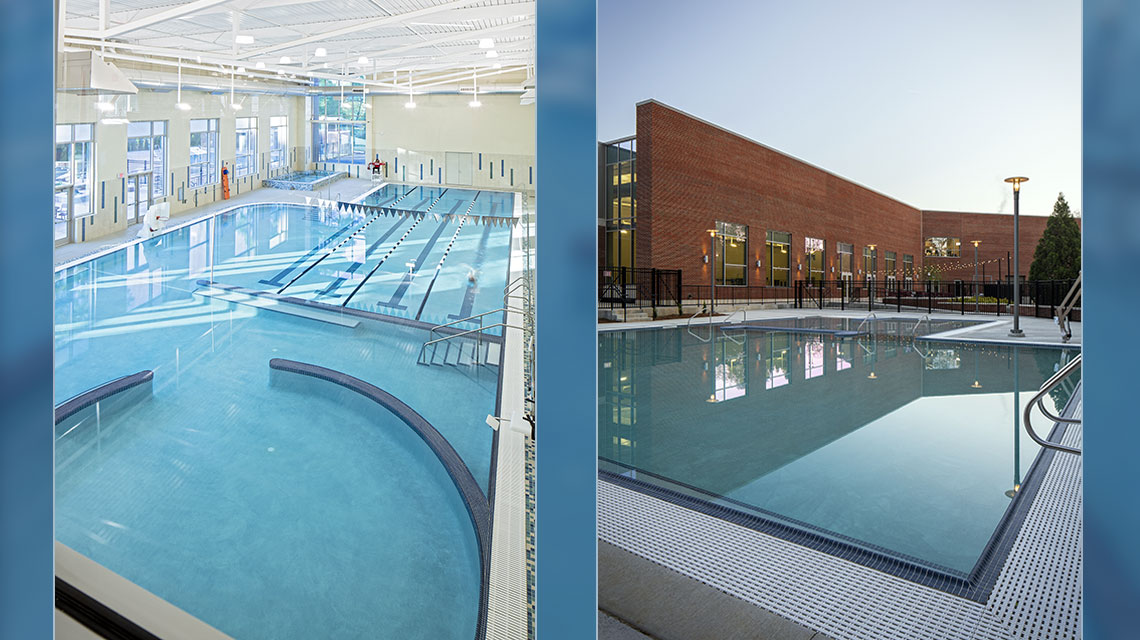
(1111,307)
(566,420)
(26,136)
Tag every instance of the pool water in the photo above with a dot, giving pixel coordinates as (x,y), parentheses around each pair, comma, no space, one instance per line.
(873,440)
(266,510)
(306,176)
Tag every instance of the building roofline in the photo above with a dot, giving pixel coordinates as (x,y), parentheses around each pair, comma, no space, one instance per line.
(774,150)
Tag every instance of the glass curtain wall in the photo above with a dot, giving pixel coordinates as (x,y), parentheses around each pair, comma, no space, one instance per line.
(619,201)
(731,252)
(245,146)
(779,258)
(74,177)
(203,152)
(146,151)
(339,127)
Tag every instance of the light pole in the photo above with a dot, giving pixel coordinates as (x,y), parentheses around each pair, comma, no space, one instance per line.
(712,272)
(874,269)
(975,287)
(1016,331)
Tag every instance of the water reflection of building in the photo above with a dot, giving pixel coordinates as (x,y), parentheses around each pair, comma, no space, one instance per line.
(666,387)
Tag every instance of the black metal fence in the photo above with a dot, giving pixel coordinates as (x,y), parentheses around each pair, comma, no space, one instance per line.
(1039,299)
(622,289)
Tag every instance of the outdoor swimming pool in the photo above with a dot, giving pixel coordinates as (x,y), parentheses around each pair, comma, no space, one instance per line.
(268,504)
(867,447)
(304,180)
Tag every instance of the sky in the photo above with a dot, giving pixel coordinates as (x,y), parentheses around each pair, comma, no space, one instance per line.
(931,103)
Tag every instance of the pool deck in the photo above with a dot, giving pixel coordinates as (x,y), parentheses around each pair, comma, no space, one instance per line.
(662,566)
(1038,331)
(347,188)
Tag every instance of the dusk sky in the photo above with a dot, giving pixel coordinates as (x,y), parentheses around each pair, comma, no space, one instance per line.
(932,103)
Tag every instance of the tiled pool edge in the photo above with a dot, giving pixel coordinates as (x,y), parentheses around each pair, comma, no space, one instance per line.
(81,401)
(853,602)
(476,502)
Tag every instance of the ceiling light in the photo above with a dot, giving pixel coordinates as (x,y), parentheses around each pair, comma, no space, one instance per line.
(410,104)
(113,121)
(105,105)
(486,43)
(475,103)
(492,54)
(182,106)
(260,65)
(321,52)
(362,60)
(285,60)
(244,39)
(236,106)
(241,69)
(497,65)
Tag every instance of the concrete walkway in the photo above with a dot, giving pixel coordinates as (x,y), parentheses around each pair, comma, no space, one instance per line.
(992,329)
(347,189)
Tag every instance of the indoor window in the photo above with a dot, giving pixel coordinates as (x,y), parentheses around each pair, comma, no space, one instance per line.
(146,152)
(245,146)
(203,152)
(278,140)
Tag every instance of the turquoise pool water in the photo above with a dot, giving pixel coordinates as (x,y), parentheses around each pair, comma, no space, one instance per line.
(872,440)
(268,511)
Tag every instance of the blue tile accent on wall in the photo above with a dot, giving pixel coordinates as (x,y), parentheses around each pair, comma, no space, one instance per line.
(502,167)
(441,175)
(531,175)
(480,162)
(83,229)
(103,194)
(512,176)
(431,165)
(115,202)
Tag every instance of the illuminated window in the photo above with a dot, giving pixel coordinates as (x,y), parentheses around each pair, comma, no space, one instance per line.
(943,247)
(813,255)
(779,258)
(731,252)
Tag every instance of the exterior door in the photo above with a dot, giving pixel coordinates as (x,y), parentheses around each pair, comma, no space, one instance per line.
(139,195)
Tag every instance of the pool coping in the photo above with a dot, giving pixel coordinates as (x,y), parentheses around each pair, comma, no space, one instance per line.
(976,586)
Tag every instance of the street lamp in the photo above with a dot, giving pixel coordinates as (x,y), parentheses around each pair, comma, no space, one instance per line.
(712,272)
(874,268)
(975,287)
(1016,331)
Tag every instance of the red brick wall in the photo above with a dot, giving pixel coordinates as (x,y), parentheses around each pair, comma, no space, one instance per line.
(691,174)
(995,231)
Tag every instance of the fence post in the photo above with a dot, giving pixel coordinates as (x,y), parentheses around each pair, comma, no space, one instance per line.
(898,297)
(821,295)
(1036,298)
(842,295)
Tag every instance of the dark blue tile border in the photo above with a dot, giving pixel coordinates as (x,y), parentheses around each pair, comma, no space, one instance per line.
(975,586)
(478,507)
(88,398)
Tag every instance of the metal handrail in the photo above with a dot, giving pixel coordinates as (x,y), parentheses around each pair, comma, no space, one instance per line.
(467,319)
(423,348)
(914,332)
(688,326)
(869,316)
(1038,399)
(1066,308)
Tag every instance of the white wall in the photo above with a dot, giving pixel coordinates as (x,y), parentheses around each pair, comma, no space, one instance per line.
(500,135)
(111,146)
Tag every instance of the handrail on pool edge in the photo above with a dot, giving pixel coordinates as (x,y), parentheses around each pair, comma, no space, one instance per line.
(1038,399)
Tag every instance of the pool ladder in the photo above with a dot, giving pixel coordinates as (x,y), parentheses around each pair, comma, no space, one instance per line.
(1066,308)
(478,355)
(1039,400)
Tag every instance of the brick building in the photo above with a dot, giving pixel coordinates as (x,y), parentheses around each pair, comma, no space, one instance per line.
(778,219)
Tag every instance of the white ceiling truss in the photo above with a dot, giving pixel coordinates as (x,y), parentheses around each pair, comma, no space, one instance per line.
(439,44)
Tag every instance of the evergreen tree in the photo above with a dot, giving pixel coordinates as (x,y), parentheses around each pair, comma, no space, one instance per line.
(1058,253)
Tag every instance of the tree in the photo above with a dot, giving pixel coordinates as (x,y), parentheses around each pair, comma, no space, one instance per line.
(1058,253)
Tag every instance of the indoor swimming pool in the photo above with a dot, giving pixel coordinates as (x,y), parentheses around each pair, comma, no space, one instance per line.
(877,448)
(304,180)
(270,504)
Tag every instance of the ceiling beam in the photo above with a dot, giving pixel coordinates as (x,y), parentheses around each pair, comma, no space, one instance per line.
(473,34)
(161,16)
(360,26)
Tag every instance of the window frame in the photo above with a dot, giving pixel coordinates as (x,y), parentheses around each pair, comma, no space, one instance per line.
(210,176)
(245,163)
(157,168)
(771,242)
(278,140)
